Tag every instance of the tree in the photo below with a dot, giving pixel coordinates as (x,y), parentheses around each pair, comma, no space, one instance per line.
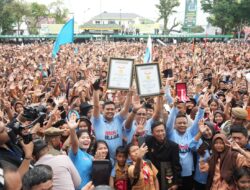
(58,11)
(37,12)
(166,8)
(19,10)
(229,15)
(6,19)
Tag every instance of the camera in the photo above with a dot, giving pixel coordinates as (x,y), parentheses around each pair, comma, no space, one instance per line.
(34,114)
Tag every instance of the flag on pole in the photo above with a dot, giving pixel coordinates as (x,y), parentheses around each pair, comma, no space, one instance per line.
(148,54)
(66,35)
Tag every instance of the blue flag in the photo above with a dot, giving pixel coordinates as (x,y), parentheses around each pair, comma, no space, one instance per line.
(66,35)
(148,54)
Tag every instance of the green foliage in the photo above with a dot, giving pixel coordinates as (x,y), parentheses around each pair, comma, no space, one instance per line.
(37,12)
(166,8)
(58,11)
(229,15)
(197,29)
(15,12)
(6,19)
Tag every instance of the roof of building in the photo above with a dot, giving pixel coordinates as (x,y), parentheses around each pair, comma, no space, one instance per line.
(114,16)
(89,26)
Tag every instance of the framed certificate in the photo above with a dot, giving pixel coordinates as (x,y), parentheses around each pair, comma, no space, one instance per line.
(120,74)
(148,79)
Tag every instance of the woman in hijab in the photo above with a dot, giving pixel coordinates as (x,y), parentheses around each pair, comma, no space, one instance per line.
(202,145)
(225,158)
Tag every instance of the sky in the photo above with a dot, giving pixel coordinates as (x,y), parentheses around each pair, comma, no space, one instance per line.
(84,10)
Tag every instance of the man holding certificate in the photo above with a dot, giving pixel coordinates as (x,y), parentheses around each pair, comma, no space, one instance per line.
(108,126)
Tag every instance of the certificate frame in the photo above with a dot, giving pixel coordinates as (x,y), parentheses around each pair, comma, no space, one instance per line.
(154,85)
(115,80)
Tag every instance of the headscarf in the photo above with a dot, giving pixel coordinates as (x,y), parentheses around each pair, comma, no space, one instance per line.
(227,161)
(206,143)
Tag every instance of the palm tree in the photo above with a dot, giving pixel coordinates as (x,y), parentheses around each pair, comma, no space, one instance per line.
(166,8)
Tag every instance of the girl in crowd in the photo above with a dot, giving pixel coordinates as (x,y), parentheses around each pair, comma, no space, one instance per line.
(202,145)
(225,158)
(242,178)
(80,143)
(101,151)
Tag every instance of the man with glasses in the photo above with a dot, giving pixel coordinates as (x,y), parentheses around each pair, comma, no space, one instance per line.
(137,125)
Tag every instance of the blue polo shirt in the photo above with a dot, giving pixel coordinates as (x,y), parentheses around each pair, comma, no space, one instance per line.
(111,132)
(83,163)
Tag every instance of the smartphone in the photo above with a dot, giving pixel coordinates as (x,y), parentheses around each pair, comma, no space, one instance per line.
(181,91)
(101,171)
(141,140)
(168,73)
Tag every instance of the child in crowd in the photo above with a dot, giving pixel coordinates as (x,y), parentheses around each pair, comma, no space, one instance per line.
(119,175)
(141,173)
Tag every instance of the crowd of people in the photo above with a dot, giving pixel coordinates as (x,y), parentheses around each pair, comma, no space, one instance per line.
(62,129)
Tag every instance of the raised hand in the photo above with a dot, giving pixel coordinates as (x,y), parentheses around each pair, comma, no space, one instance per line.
(202,127)
(229,97)
(136,103)
(59,100)
(142,150)
(205,100)
(72,124)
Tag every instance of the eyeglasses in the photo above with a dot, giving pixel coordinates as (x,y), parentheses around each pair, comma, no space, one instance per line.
(141,114)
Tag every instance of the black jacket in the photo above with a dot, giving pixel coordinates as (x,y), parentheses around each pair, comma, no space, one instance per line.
(165,152)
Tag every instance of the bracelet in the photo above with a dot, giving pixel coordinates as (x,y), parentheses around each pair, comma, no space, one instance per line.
(27,158)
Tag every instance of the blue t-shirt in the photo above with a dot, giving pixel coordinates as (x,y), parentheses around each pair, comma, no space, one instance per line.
(184,140)
(199,176)
(111,132)
(83,163)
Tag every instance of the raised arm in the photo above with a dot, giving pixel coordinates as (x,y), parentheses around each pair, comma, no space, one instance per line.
(142,151)
(131,116)
(74,141)
(158,108)
(168,96)
(172,116)
(125,109)
(96,106)
(194,129)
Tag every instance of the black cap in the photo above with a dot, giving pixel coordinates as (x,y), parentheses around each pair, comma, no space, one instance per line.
(39,144)
(84,108)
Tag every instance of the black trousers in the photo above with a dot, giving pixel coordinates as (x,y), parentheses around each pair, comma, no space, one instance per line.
(187,183)
(199,186)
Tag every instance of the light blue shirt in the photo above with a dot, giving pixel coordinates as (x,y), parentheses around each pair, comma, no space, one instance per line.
(83,163)
(111,132)
(184,140)
(129,133)
(199,176)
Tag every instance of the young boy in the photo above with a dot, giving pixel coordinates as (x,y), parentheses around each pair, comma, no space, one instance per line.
(119,175)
